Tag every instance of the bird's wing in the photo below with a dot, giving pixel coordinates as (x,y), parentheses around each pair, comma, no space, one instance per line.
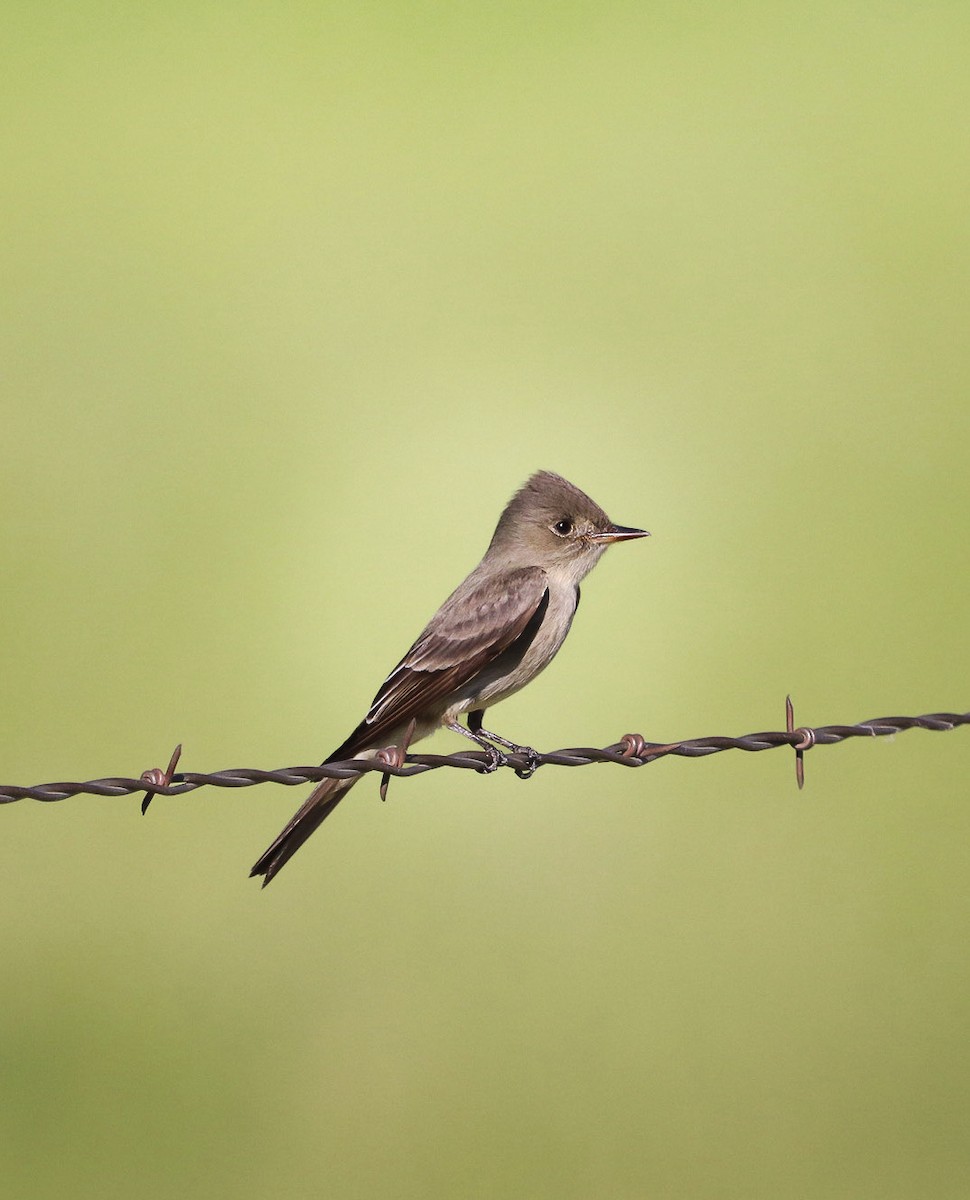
(470,631)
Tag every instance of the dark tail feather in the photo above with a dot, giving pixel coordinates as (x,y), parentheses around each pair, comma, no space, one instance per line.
(319,805)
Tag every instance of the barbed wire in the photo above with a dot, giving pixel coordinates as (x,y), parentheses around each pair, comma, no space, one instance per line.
(631,750)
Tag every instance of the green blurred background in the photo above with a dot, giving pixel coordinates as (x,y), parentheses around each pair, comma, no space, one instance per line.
(294,297)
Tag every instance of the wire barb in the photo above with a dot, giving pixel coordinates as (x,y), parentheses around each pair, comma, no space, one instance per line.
(395,756)
(806,739)
(158,778)
(632,750)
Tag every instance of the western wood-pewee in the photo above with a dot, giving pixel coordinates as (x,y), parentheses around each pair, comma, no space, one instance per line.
(491,637)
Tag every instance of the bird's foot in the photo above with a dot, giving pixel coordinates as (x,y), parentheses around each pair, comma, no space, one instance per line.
(532,756)
(489,742)
(494,758)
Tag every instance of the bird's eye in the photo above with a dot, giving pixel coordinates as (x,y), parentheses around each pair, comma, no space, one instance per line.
(563,527)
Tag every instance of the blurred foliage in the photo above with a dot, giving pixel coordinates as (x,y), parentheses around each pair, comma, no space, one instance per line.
(294,298)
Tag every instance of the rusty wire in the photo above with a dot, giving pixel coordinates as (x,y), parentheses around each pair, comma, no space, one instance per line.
(631,751)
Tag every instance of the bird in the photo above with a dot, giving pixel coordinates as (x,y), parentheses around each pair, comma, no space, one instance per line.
(494,634)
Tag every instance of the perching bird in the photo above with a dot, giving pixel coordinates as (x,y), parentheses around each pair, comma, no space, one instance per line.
(491,637)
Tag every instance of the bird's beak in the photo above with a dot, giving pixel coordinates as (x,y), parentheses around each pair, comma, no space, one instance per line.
(618,533)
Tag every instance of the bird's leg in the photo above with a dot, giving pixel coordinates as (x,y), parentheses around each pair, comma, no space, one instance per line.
(495,758)
(531,755)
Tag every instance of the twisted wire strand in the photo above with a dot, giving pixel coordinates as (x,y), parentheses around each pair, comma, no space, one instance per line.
(631,751)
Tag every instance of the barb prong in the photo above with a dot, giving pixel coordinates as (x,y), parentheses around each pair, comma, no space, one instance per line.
(159,778)
(806,740)
(799,751)
(395,756)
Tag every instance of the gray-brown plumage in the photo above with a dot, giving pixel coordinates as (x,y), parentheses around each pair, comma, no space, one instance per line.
(492,636)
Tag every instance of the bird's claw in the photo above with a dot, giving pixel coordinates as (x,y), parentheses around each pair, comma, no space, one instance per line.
(494,758)
(533,759)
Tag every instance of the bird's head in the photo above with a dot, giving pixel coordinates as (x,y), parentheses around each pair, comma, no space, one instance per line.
(550,523)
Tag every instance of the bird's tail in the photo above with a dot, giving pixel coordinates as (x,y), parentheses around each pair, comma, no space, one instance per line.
(319,805)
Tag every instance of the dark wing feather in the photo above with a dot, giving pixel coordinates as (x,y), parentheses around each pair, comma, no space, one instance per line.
(473,628)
